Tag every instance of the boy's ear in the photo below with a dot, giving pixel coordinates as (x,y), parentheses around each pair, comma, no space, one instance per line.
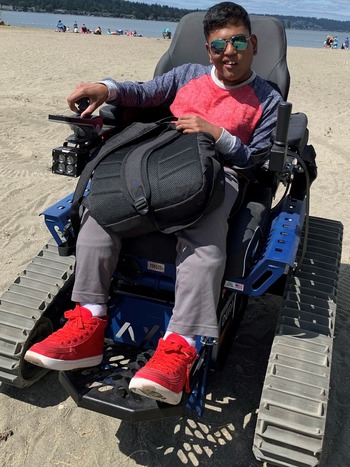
(254,40)
(208,50)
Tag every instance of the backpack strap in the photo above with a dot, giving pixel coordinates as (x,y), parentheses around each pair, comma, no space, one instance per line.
(134,169)
(133,132)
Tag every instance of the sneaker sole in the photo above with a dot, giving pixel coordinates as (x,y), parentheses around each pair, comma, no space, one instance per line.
(145,387)
(61,365)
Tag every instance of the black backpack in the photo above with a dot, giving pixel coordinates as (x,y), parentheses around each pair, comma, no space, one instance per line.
(151,176)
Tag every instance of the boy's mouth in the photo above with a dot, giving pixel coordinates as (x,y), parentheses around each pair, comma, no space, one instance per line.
(230,65)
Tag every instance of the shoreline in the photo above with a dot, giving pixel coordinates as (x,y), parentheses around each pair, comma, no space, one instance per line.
(294,41)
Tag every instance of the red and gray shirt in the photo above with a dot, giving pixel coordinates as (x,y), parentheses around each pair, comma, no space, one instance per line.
(246,112)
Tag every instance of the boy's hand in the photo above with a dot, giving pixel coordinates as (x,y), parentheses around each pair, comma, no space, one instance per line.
(97,94)
(195,124)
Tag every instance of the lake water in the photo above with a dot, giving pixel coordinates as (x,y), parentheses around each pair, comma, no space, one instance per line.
(295,38)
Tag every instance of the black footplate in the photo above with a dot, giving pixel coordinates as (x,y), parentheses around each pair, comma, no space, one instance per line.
(105,388)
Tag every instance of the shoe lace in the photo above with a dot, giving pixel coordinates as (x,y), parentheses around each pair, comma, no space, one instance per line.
(75,328)
(171,357)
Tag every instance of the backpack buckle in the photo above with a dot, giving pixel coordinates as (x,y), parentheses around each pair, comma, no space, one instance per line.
(141,205)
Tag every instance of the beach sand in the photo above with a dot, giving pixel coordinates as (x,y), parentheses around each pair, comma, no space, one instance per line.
(38,70)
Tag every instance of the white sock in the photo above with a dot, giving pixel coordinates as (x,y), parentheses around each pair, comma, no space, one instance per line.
(96,309)
(190,339)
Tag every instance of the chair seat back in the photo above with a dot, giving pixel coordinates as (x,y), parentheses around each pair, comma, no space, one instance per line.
(188,46)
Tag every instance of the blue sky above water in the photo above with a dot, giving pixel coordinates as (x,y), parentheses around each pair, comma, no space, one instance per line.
(335,9)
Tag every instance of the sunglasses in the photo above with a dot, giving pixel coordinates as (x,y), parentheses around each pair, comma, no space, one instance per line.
(239,42)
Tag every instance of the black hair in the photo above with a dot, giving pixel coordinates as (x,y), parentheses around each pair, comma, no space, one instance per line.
(224,13)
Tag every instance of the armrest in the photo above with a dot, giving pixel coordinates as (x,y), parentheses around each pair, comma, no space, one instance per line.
(298,133)
(124,116)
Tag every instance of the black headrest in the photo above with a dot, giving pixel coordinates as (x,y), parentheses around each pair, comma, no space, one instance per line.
(188,46)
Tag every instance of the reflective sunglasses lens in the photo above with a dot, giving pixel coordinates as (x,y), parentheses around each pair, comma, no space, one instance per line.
(218,46)
(239,42)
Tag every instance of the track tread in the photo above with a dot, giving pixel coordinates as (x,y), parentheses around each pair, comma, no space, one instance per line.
(292,414)
(24,303)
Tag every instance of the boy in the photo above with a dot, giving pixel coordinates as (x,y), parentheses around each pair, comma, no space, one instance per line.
(238,108)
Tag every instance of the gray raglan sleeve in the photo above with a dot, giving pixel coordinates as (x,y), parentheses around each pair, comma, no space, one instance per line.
(160,91)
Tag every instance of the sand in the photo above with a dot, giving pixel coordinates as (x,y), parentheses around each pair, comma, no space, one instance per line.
(38,70)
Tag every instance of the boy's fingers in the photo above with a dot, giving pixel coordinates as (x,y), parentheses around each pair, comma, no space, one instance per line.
(88,111)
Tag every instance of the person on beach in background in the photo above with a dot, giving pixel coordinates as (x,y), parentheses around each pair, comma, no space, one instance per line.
(239,109)
(60,27)
(166,33)
(84,29)
(328,43)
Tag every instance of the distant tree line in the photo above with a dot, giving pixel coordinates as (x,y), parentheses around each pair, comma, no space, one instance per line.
(108,8)
(139,10)
(315,24)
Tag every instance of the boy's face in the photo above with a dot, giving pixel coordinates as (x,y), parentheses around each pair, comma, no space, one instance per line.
(232,66)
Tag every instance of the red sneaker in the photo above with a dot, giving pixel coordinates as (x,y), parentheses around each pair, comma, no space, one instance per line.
(166,374)
(79,344)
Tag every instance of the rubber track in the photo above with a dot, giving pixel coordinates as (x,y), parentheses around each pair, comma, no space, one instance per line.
(292,414)
(22,306)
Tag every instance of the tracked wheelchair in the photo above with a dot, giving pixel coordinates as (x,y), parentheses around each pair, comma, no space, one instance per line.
(275,247)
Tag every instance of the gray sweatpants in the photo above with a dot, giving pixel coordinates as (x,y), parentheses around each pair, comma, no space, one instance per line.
(200,264)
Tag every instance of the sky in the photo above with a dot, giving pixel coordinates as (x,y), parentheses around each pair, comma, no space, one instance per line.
(334,9)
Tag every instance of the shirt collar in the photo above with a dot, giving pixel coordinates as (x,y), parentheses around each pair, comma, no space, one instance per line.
(235,86)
